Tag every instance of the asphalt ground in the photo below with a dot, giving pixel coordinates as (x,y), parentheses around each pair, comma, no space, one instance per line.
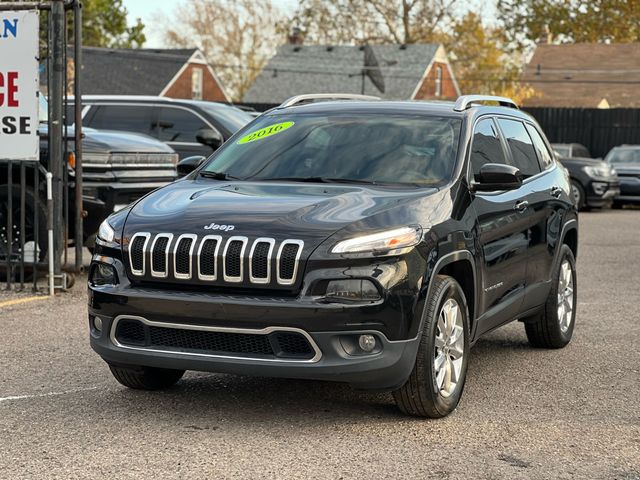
(525,413)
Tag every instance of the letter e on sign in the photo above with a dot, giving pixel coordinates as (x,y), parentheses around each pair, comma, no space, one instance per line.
(19,80)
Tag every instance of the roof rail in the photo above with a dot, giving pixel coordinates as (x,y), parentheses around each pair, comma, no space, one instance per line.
(324,96)
(465,101)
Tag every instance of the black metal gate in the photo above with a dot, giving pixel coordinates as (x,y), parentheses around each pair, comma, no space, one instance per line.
(41,201)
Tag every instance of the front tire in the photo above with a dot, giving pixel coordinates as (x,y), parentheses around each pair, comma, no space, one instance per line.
(146,378)
(579,197)
(553,328)
(436,383)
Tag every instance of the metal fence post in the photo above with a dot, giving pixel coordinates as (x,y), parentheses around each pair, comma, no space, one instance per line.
(77,93)
(56,92)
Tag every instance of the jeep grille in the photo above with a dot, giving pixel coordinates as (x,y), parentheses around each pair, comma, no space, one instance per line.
(212,259)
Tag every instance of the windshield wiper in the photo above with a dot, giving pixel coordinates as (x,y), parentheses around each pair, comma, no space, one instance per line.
(218,175)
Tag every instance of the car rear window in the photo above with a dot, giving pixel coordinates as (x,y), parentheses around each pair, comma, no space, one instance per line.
(389,149)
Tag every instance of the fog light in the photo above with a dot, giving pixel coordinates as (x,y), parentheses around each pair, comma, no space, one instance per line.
(97,324)
(599,188)
(367,343)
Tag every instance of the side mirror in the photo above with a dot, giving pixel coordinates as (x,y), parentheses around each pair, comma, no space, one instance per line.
(189,164)
(497,176)
(209,137)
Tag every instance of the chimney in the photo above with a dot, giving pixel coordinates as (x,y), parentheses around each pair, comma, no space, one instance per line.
(296,37)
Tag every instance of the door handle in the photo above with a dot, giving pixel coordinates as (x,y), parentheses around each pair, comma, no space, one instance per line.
(556,192)
(521,206)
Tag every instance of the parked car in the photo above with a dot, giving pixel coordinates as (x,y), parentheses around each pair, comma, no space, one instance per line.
(569,150)
(190,127)
(118,168)
(367,242)
(626,160)
(594,183)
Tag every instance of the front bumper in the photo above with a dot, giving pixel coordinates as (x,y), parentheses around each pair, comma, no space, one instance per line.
(386,369)
(629,189)
(602,192)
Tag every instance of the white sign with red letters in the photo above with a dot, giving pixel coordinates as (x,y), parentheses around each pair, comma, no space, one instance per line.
(19,85)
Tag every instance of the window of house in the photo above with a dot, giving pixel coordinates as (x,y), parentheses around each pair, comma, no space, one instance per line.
(196,83)
(486,147)
(438,92)
(522,151)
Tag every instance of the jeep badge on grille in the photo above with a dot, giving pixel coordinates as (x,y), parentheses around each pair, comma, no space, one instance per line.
(215,226)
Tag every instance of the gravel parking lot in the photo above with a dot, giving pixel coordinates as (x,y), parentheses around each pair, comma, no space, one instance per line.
(526,413)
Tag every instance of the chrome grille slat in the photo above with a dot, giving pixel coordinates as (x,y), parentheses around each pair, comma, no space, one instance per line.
(194,257)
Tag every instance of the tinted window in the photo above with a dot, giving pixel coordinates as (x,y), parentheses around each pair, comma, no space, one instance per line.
(127,118)
(544,155)
(486,147)
(581,151)
(395,149)
(522,151)
(177,125)
(231,118)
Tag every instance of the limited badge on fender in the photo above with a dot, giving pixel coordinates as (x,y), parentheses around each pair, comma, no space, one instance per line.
(265,132)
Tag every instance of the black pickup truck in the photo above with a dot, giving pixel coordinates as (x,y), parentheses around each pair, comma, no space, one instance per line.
(118,168)
(362,241)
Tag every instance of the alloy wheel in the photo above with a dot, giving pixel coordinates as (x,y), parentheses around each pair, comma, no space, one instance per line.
(449,348)
(565,296)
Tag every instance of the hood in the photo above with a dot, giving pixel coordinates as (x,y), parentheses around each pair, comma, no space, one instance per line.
(262,209)
(106,141)
(627,168)
(581,161)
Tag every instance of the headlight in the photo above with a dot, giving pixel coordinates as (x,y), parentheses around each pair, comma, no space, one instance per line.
(106,233)
(598,171)
(379,242)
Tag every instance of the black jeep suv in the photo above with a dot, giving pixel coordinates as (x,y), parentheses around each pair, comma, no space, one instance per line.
(367,242)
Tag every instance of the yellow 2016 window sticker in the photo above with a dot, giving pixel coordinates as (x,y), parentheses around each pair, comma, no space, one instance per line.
(265,132)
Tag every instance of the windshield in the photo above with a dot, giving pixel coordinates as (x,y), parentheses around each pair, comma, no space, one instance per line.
(624,155)
(231,118)
(368,148)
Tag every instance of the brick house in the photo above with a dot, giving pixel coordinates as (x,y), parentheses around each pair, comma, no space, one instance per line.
(410,72)
(175,73)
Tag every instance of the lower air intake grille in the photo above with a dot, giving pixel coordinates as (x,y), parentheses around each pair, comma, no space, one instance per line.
(278,344)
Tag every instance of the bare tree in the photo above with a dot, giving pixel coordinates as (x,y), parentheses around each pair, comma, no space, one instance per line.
(373,21)
(238,37)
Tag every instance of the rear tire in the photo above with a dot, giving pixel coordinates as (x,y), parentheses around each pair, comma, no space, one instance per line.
(146,378)
(436,383)
(553,327)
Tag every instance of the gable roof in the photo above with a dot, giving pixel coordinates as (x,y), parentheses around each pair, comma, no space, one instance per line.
(130,72)
(584,75)
(298,69)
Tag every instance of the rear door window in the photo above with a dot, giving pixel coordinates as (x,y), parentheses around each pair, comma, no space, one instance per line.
(486,146)
(521,146)
(544,155)
(126,118)
(178,125)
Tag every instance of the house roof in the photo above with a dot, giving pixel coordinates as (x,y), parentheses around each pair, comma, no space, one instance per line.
(130,72)
(298,69)
(584,75)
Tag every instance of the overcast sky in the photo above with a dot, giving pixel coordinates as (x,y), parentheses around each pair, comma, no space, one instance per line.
(146,9)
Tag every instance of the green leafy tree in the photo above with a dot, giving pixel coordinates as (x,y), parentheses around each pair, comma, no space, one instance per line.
(565,21)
